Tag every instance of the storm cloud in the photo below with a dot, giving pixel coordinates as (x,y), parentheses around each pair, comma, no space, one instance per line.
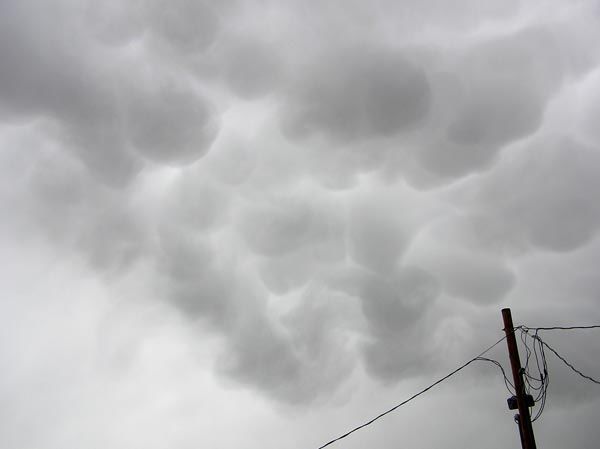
(293,202)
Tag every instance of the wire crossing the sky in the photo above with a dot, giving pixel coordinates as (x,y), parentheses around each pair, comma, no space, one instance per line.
(537,383)
(541,379)
(414,396)
(569,365)
(543,344)
(561,328)
(509,386)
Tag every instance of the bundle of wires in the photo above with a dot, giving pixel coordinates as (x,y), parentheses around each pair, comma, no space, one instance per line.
(535,375)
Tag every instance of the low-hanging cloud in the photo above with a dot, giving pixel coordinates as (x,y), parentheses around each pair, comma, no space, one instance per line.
(170,125)
(356,94)
(552,211)
(315,193)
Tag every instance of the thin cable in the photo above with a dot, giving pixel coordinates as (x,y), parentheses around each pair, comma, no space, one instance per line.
(509,386)
(540,383)
(414,396)
(568,364)
(562,328)
(539,347)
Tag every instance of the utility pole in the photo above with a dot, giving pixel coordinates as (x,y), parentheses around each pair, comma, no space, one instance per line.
(523,418)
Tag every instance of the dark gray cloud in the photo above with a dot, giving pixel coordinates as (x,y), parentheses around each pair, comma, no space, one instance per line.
(184,25)
(277,228)
(296,202)
(47,75)
(394,307)
(357,93)
(170,125)
(376,240)
(115,23)
(550,210)
(467,263)
(54,71)
(253,69)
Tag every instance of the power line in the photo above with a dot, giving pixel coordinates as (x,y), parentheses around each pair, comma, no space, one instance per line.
(381,415)
(509,386)
(568,364)
(561,328)
(542,343)
(538,384)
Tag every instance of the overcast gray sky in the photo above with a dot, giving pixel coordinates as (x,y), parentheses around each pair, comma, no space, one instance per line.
(258,223)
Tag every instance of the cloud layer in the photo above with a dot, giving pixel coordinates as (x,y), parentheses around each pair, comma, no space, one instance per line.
(324,190)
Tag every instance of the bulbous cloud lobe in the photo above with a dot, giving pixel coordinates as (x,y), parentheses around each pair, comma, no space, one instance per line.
(550,210)
(357,93)
(171,125)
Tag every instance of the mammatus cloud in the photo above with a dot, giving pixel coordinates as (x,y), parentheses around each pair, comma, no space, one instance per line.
(356,94)
(315,187)
(170,125)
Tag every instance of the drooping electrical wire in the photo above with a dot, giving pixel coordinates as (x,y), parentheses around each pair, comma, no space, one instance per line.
(414,396)
(569,364)
(509,386)
(537,383)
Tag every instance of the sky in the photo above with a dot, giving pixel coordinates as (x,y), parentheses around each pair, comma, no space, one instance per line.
(259,223)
